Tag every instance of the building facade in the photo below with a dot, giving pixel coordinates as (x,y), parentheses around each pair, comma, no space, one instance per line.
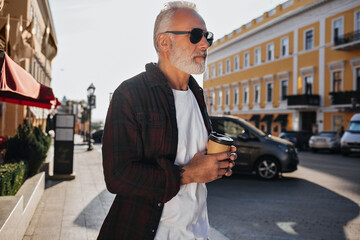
(28,21)
(296,67)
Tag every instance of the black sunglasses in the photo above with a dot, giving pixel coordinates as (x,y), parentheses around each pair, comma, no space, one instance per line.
(196,35)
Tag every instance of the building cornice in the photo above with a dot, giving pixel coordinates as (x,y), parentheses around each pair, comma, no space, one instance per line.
(268,24)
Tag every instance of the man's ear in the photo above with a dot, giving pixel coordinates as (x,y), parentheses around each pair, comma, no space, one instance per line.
(164,42)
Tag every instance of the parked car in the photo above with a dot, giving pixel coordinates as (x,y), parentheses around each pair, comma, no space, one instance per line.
(326,140)
(350,141)
(97,135)
(299,138)
(259,153)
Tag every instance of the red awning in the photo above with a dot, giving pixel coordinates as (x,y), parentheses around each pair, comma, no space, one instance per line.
(19,87)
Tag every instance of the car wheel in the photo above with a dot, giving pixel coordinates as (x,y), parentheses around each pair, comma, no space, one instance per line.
(267,168)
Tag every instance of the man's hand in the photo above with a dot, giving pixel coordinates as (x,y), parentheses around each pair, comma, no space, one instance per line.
(204,168)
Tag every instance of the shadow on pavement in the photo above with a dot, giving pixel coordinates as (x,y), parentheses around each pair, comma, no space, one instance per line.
(93,215)
(244,207)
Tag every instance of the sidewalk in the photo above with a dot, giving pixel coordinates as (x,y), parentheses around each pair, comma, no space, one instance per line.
(75,209)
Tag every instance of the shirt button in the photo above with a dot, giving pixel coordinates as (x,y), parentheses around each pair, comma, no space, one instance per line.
(159,204)
(152,230)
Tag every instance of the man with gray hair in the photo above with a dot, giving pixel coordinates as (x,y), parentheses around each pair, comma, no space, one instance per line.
(155,136)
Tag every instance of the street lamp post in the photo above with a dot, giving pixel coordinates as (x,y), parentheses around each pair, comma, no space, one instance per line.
(91,104)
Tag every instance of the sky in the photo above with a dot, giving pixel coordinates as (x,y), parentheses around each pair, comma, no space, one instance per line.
(106,42)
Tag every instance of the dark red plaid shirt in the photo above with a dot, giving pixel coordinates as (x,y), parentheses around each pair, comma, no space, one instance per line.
(139,149)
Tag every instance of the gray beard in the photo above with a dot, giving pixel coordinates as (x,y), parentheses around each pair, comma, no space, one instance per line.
(187,65)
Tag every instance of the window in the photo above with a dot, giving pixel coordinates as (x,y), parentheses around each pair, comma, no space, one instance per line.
(337,122)
(308,84)
(269,89)
(228,66)
(212,98)
(270,52)
(236,96)
(220,69)
(207,74)
(284,90)
(284,47)
(357,21)
(309,39)
(337,81)
(213,71)
(227,97)
(219,102)
(246,95)
(246,59)
(236,63)
(337,29)
(257,56)
(257,94)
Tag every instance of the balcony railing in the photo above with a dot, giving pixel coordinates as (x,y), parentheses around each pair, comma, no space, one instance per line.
(345,98)
(348,41)
(303,100)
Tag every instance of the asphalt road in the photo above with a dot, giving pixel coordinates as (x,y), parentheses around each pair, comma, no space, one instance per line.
(321,200)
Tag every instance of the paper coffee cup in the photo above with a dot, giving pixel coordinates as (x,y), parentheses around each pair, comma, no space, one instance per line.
(219,143)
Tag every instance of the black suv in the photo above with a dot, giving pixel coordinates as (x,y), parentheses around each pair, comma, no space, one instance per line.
(259,153)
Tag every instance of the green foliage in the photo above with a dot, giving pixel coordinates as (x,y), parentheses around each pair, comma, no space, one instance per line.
(12,176)
(30,145)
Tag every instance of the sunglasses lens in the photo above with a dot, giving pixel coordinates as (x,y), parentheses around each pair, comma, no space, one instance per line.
(209,37)
(196,34)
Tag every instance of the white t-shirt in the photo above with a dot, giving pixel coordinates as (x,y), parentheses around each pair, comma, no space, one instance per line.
(185,215)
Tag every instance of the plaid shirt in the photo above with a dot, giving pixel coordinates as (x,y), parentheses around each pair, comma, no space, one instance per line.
(139,149)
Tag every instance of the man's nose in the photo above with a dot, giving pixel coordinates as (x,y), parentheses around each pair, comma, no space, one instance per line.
(204,44)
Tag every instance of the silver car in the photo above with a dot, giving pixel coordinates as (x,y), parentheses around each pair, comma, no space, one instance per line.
(327,140)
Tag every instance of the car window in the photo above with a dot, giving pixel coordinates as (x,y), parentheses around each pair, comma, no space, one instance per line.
(218,125)
(233,129)
(354,127)
(327,134)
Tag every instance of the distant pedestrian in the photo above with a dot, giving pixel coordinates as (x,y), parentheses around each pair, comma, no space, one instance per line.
(156,129)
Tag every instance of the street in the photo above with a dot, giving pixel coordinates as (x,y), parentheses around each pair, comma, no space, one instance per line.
(318,201)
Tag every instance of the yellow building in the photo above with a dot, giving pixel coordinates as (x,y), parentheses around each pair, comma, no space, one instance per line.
(34,16)
(296,67)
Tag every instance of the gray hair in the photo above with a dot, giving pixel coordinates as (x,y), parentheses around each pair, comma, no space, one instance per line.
(163,19)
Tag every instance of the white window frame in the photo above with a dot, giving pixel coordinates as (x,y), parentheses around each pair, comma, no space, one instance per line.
(270,47)
(228,66)
(236,63)
(341,32)
(284,42)
(246,59)
(219,98)
(312,39)
(257,100)
(281,89)
(220,69)
(207,74)
(304,83)
(267,92)
(212,98)
(236,96)
(227,97)
(246,96)
(357,20)
(332,79)
(213,71)
(257,53)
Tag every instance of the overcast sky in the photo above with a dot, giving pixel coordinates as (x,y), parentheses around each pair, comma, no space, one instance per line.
(106,42)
